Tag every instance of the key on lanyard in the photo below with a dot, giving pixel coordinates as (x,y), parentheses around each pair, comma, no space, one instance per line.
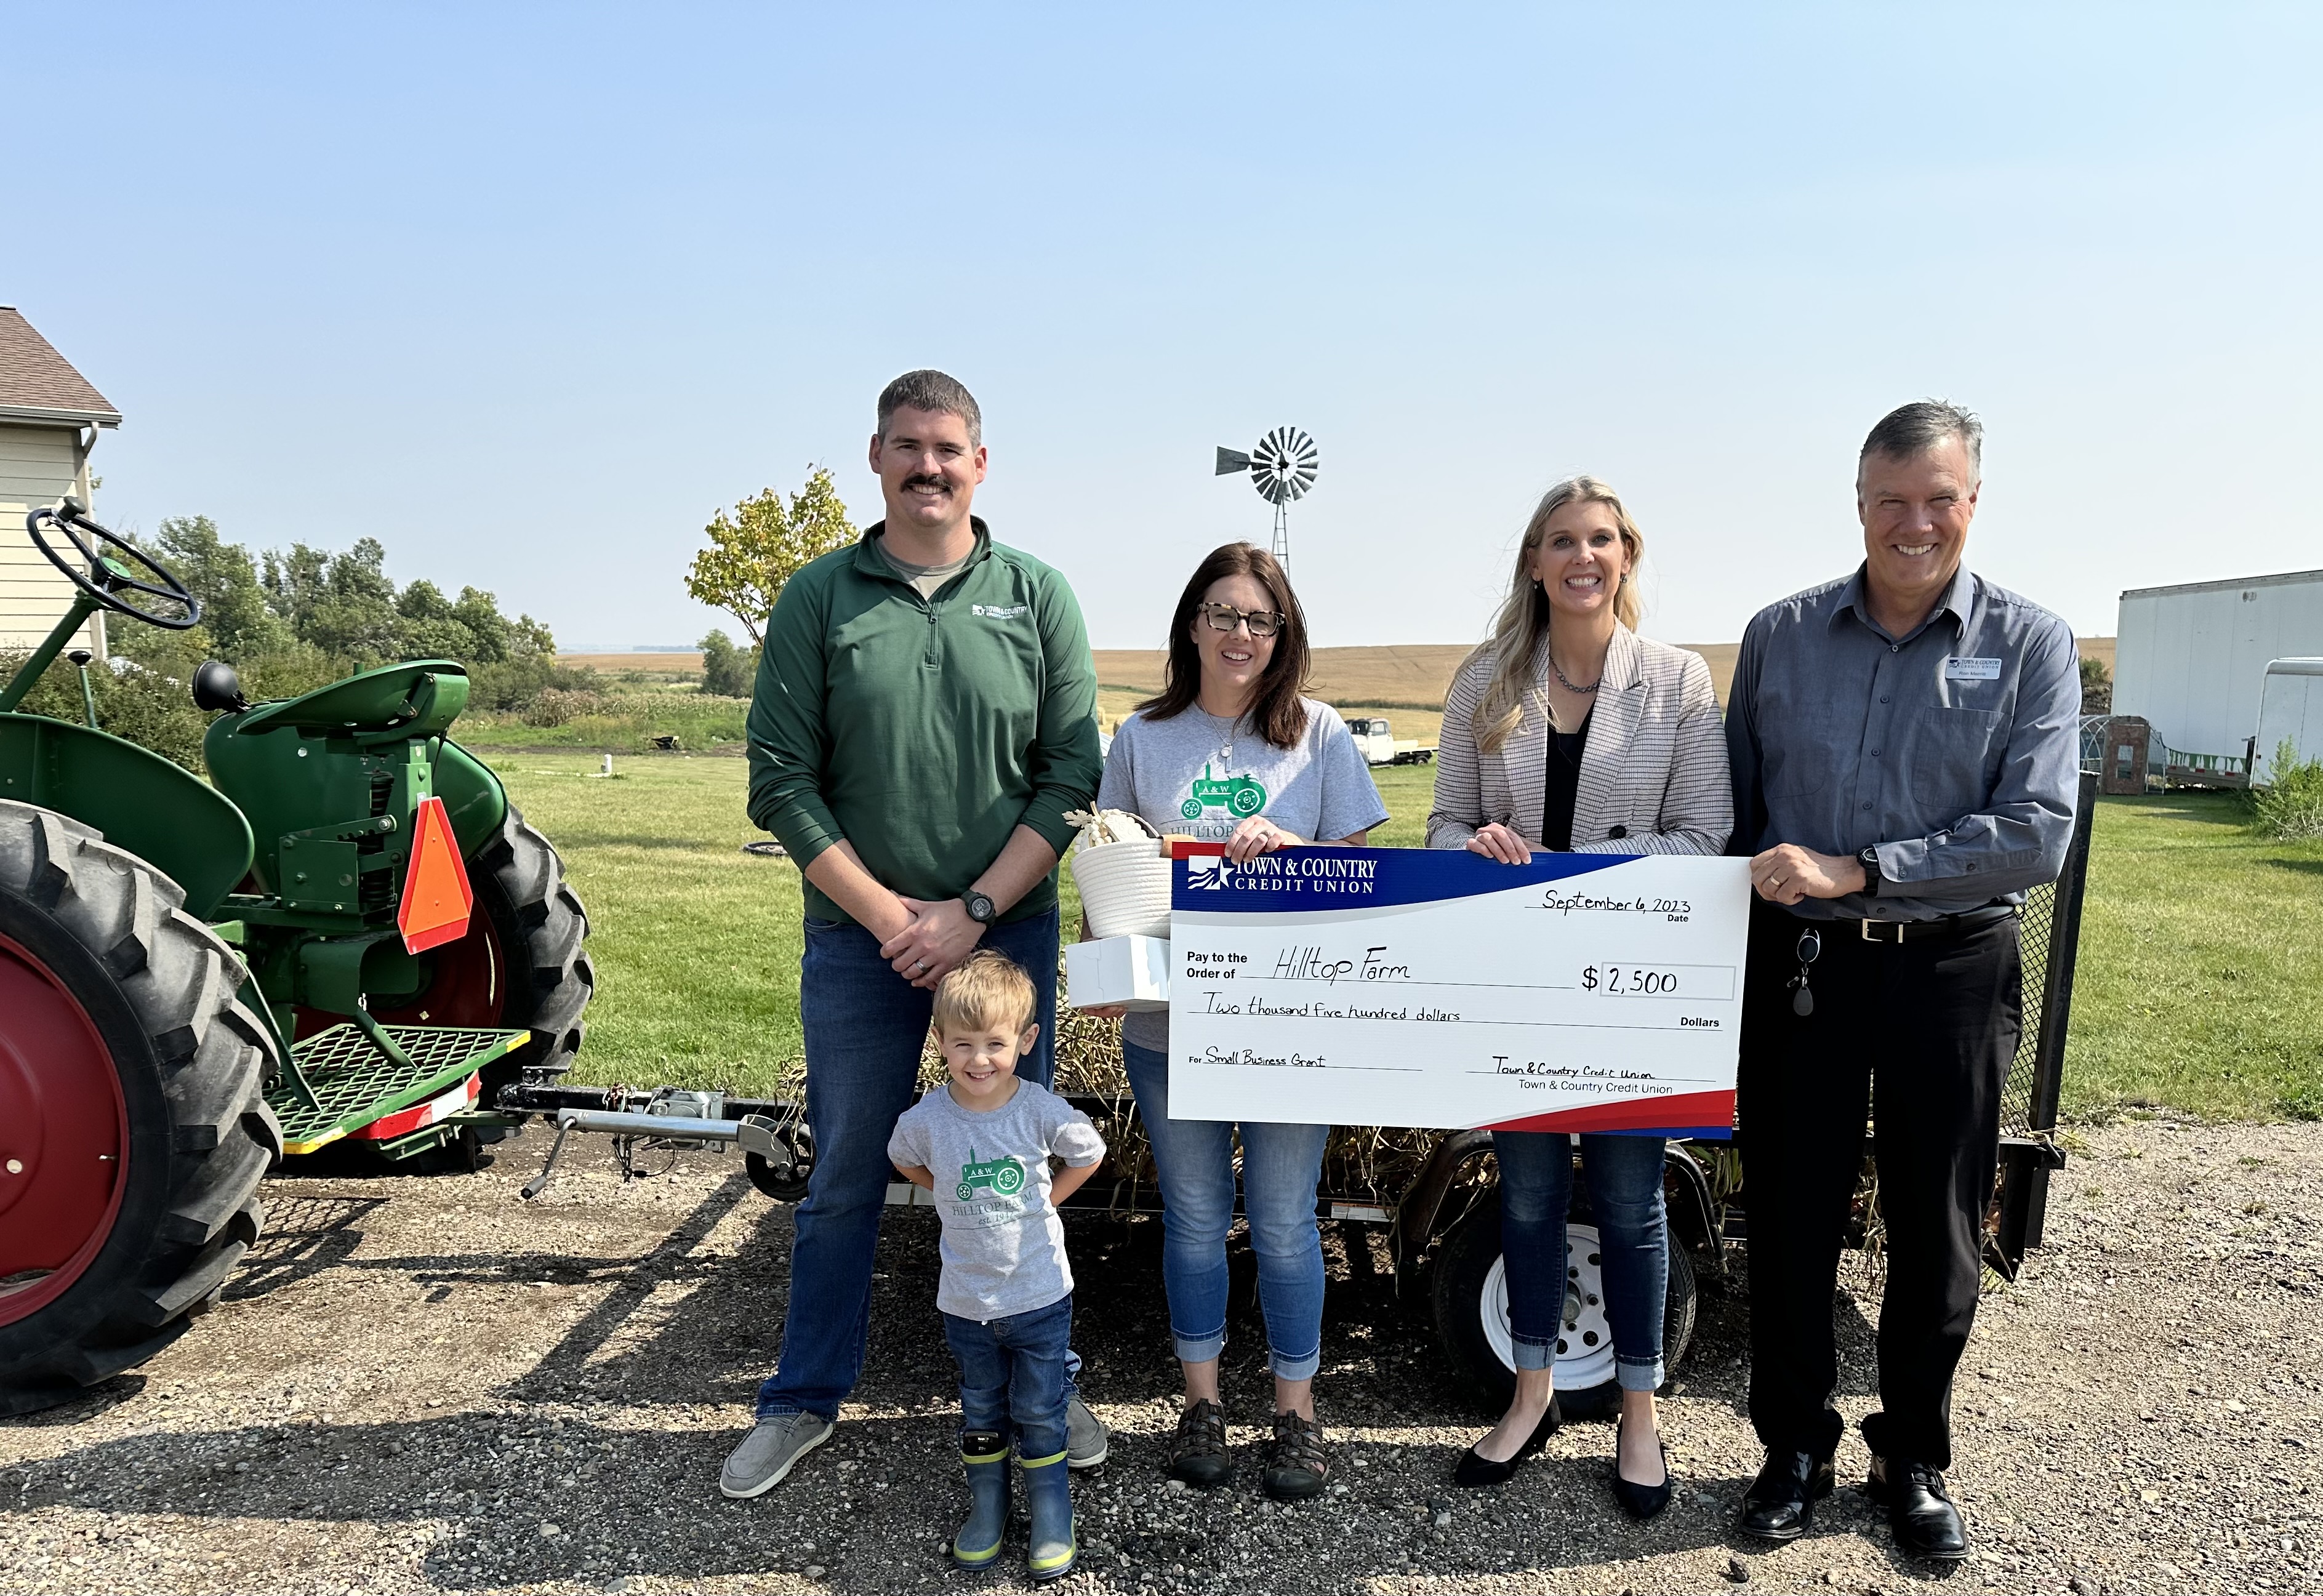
(1802,994)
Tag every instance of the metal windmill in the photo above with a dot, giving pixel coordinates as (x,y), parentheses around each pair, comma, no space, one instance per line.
(1282,466)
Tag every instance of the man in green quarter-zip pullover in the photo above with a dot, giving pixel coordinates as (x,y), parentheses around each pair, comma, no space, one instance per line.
(925,714)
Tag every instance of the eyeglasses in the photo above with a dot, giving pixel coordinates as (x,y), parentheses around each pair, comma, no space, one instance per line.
(1224,618)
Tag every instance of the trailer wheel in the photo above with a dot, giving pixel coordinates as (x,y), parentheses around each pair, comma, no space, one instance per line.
(522,963)
(133,1127)
(790,1188)
(1471,1303)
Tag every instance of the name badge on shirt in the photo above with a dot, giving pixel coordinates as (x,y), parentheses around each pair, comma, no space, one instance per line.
(1960,667)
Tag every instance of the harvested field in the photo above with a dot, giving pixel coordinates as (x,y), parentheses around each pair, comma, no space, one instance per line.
(1412,677)
(1416,675)
(419,1384)
(667,665)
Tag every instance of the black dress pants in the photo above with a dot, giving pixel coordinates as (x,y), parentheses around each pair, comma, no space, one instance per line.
(1920,1034)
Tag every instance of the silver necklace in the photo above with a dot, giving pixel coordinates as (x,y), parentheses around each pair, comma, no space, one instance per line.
(1569,686)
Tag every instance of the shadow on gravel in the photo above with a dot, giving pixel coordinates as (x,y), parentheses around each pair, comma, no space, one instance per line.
(570,1479)
(507,1480)
(303,1236)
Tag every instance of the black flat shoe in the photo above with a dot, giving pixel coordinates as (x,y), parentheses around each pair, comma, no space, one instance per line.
(1476,1470)
(1640,1502)
(1780,1503)
(1920,1511)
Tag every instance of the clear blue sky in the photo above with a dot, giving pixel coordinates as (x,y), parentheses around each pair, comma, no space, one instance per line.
(527,293)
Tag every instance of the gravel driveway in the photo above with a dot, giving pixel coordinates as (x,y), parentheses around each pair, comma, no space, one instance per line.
(422,1384)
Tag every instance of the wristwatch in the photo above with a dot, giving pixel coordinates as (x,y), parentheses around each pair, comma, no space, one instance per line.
(1870,859)
(980,909)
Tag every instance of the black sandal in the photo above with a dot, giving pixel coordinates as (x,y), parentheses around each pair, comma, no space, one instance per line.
(1477,1470)
(1198,1451)
(1298,1464)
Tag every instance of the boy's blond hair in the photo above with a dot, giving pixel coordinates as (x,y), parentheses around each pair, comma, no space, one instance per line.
(990,992)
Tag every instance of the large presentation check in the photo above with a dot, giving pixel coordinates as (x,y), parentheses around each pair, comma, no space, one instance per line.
(1406,986)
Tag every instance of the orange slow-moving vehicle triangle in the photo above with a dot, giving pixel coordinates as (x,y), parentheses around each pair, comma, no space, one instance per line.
(436,896)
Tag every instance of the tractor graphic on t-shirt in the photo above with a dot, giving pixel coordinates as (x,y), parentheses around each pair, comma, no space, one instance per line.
(1237,794)
(1003,1175)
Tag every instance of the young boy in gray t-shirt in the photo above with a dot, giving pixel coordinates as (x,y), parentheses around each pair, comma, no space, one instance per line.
(981,1144)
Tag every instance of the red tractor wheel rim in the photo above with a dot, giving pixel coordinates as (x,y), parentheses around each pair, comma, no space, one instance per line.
(64,1129)
(466,985)
(467,982)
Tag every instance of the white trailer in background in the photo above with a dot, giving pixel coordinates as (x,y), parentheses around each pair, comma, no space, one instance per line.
(2289,710)
(2191,660)
(1380,746)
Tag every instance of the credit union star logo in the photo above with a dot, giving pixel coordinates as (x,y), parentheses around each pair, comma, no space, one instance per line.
(1209,875)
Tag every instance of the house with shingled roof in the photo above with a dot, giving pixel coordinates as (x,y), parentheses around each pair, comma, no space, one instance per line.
(50,417)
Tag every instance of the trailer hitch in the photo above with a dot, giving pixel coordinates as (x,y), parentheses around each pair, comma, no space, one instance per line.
(753,1132)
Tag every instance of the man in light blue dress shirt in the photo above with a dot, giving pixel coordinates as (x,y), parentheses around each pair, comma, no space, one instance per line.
(1905,758)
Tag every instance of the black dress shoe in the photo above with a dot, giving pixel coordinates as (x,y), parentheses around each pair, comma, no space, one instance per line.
(1920,1511)
(1476,1469)
(1640,1502)
(1780,1502)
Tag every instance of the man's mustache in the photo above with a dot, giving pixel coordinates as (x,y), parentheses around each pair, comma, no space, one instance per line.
(927,482)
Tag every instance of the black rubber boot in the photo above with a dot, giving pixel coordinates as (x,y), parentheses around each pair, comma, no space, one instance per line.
(986,1457)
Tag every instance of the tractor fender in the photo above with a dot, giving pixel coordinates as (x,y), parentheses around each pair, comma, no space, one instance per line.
(148,805)
(1415,1215)
(474,799)
(1700,1223)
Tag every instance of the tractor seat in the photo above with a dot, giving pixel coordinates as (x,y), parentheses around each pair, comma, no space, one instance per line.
(418,698)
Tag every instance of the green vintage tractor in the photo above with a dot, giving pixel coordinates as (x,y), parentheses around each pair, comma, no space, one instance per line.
(352,937)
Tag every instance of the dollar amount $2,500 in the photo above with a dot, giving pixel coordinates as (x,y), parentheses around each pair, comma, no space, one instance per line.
(1630,980)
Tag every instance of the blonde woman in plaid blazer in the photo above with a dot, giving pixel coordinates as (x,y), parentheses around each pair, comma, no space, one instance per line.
(1568,730)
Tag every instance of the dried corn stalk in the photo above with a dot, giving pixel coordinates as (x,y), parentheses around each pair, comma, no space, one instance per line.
(1100,827)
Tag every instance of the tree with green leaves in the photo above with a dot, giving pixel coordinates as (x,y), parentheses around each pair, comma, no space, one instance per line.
(728,671)
(343,604)
(763,544)
(224,578)
(2097,687)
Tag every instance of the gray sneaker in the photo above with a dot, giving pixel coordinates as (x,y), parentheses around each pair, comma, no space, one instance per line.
(766,1453)
(1085,1441)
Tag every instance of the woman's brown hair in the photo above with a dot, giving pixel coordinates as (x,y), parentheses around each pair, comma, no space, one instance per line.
(1275,711)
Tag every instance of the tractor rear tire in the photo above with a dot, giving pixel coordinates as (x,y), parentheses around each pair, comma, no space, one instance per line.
(99,950)
(542,926)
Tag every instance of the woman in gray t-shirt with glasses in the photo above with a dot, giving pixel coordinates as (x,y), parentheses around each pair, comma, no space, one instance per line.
(1228,751)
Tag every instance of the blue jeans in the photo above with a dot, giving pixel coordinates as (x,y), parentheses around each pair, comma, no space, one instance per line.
(1625,1197)
(1280,1165)
(1014,1369)
(865,1026)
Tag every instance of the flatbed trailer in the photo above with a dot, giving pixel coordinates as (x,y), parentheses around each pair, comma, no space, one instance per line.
(1433,1193)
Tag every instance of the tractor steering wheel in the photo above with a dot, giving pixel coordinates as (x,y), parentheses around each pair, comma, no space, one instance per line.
(107,578)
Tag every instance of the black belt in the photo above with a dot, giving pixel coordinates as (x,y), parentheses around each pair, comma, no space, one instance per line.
(1927,930)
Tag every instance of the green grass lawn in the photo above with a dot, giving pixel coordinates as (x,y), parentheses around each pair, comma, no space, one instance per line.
(696,943)
(632,721)
(2200,983)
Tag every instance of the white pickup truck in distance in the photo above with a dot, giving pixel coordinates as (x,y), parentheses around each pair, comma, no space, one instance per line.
(1383,747)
